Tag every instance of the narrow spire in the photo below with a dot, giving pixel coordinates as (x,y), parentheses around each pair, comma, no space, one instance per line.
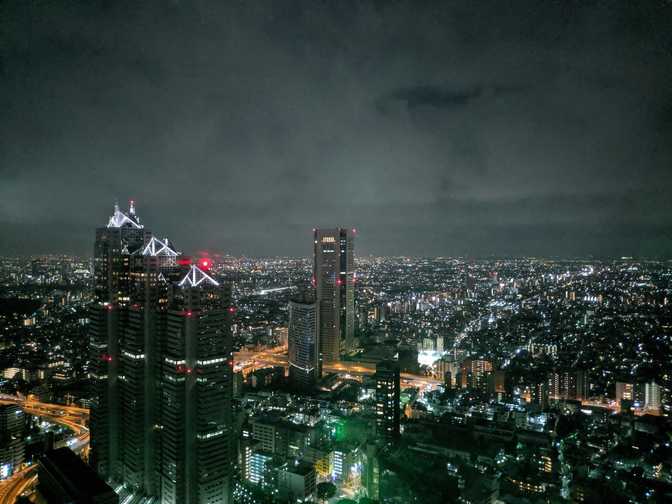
(131,207)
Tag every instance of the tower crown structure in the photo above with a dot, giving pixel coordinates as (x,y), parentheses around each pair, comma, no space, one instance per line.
(196,277)
(120,219)
(156,247)
(161,369)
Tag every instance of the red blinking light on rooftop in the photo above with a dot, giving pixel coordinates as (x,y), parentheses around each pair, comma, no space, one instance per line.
(205,263)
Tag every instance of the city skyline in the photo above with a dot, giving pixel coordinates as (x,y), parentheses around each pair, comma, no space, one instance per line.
(465,381)
(527,128)
(215,253)
(336,252)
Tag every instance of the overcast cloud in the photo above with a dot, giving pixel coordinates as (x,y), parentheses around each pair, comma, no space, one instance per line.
(469,128)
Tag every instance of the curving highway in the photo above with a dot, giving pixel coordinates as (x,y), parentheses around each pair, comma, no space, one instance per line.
(74,418)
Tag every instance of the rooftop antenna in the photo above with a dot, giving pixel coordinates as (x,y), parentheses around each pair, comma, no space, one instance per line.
(116,206)
(131,207)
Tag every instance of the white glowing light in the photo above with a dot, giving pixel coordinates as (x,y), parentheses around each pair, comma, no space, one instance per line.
(120,219)
(428,357)
(156,247)
(195,277)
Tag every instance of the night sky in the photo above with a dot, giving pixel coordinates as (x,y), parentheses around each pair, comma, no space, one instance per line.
(473,128)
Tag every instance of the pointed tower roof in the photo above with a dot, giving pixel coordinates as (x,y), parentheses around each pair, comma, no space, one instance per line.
(196,277)
(120,219)
(156,247)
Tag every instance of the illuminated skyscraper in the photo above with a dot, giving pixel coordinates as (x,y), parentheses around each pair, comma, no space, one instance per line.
(161,365)
(195,392)
(303,348)
(334,280)
(388,393)
(113,264)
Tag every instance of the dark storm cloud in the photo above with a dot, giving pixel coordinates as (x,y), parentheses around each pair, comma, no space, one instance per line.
(433,96)
(472,128)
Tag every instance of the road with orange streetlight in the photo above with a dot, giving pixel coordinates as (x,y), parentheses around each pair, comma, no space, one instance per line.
(72,417)
(252,361)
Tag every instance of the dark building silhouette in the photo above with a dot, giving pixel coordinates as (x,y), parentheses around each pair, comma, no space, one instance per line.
(65,479)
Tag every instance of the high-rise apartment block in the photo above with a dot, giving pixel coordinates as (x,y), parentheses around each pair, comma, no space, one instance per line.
(568,385)
(161,368)
(334,281)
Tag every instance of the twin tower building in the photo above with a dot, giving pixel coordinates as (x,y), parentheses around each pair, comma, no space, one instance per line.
(162,358)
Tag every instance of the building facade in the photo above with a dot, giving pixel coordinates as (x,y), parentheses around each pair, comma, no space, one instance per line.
(303,343)
(387,400)
(161,369)
(334,281)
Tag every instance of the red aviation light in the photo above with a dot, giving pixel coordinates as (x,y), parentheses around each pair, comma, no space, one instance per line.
(185,261)
(339,281)
(313,281)
(354,231)
(188,313)
(232,309)
(106,357)
(205,263)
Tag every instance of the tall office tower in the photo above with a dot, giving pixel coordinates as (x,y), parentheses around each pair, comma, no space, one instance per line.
(112,276)
(334,280)
(302,343)
(161,369)
(196,388)
(387,400)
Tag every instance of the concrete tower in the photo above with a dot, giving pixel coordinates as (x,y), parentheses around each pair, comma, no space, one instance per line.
(334,280)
